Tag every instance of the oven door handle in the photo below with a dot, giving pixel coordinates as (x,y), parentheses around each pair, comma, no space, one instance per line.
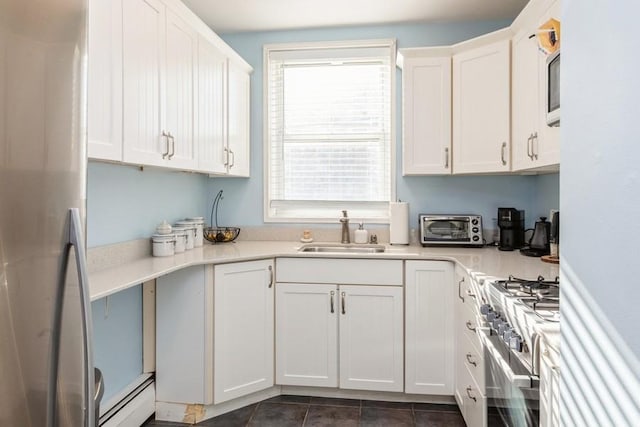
(519,381)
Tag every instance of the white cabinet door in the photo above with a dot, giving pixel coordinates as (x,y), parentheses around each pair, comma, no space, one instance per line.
(307,334)
(243,328)
(481,109)
(211,135)
(429,327)
(525,97)
(184,306)
(371,338)
(535,145)
(426,115)
(144,23)
(105,80)
(238,105)
(182,48)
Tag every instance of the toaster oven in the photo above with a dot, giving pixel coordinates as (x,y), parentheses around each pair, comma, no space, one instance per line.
(450,230)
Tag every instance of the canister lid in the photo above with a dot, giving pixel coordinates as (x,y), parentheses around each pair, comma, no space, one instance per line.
(163,237)
(185,224)
(196,219)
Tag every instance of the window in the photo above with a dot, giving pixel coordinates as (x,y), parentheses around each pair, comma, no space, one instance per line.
(328,130)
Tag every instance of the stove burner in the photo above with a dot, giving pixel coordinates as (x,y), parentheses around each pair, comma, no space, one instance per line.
(540,286)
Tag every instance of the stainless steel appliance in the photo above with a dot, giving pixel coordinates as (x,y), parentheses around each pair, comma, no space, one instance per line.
(511,225)
(553,89)
(539,243)
(511,345)
(454,230)
(46,360)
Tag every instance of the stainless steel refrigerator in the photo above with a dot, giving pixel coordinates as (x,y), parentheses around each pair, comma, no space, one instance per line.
(47,375)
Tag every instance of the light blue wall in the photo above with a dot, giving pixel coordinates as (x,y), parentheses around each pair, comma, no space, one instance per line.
(483,195)
(125,203)
(117,331)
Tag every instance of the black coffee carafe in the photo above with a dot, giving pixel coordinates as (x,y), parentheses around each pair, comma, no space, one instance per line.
(539,243)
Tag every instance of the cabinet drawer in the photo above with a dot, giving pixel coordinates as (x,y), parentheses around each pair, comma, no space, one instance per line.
(340,271)
(468,324)
(473,359)
(470,398)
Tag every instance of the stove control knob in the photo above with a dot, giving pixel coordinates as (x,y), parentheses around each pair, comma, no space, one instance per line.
(506,336)
(496,324)
(502,328)
(492,315)
(515,342)
(485,309)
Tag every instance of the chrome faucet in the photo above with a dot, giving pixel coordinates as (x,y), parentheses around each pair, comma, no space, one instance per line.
(345,227)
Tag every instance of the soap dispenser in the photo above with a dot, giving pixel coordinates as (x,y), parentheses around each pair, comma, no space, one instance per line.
(361,234)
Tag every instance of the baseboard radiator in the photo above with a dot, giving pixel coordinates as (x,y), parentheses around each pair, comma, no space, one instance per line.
(132,407)
(599,374)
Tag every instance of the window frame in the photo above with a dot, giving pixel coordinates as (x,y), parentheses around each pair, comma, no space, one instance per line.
(330,210)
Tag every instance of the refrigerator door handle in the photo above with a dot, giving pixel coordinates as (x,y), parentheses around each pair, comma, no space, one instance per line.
(74,240)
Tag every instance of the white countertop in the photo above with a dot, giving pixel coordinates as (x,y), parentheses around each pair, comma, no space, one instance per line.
(477,261)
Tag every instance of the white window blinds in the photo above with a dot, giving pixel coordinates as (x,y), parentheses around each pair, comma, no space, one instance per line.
(329,131)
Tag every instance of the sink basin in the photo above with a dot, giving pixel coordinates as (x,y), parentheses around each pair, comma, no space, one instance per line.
(343,249)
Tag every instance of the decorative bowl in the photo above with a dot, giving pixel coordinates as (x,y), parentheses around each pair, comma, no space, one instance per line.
(221,234)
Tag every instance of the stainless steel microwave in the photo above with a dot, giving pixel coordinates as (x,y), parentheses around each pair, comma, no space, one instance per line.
(553,89)
(450,230)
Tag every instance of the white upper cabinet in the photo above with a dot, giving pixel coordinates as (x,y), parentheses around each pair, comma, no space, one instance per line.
(212,70)
(144,82)
(105,80)
(482,104)
(426,110)
(182,50)
(535,145)
(164,90)
(238,105)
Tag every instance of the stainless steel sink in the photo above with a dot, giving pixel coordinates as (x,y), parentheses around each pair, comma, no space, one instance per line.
(343,249)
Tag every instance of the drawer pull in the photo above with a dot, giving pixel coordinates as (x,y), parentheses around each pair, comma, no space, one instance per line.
(470,326)
(470,294)
(471,362)
(472,397)
(344,308)
(459,286)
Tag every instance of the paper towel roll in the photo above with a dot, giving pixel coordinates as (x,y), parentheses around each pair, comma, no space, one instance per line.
(399,223)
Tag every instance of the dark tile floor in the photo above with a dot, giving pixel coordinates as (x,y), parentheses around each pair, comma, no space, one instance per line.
(298,411)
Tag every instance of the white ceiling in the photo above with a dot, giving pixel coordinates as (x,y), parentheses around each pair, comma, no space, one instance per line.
(230,16)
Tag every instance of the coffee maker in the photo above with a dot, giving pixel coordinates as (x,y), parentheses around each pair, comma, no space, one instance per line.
(511,224)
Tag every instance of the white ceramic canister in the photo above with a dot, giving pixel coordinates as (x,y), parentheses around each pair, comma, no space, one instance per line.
(198,221)
(181,239)
(163,244)
(191,233)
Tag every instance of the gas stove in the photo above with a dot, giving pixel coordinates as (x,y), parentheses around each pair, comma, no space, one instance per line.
(514,309)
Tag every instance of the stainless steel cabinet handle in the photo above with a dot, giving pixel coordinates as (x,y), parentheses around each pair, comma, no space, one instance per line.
(529,147)
(74,240)
(226,156)
(173,146)
(472,397)
(502,153)
(534,152)
(471,362)
(270,276)
(166,138)
(459,285)
(446,157)
(332,295)
(470,294)
(344,308)
(233,158)
(470,326)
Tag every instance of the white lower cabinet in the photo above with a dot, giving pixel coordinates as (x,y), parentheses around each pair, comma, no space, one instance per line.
(429,314)
(307,334)
(349,335)
(214,332)
(243,329)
